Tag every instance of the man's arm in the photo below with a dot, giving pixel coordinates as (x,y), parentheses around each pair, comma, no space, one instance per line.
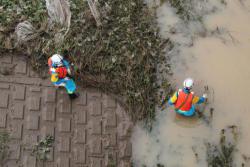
(173,99)
(67,65)
(54,75)
(198,100)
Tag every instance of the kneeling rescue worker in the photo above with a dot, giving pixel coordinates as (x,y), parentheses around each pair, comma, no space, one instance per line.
(59,70)
(184,100)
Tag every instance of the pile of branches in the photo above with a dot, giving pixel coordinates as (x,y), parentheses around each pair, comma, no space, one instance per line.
(118,56)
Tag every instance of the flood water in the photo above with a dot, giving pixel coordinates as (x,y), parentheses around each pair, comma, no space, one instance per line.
(215,53)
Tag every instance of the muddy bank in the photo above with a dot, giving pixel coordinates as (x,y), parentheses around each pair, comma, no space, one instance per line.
(215,52)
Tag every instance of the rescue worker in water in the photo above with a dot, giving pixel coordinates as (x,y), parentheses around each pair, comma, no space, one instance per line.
(184,100)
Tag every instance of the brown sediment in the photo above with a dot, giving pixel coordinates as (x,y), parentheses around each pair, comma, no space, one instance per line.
(220,60)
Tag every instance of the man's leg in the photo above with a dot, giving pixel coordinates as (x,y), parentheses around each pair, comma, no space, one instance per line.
(73,95)
(71,88)
(190,113)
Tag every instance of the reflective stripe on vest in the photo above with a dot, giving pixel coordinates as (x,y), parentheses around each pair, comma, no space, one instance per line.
(181,98)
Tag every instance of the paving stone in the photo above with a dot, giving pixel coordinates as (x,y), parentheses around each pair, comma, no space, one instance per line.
(11,163)
(32,122)
(110,118)
(64,125)
(96,162)
(3,118)
(27,81)
(63,162)
(14,151)
(6,59)
(48,130)
(65,105)
(124,163)
(64,144)
(80,115)
(95,126)
(33,74)
(110,140)
(80,165)
(21,67)
(82,99)
(80,135)
(80,154)
(30,140)
(109,102)
(95,108)
(34,103)
(93,94)
(4,86)
(18,111)
(49,112)
(50,155)
(16,130)
(110,159)
(19,92)
(35,89)
(124,129)
(95,145)
(29,161)
(125,149)
(50,95)
(4,100)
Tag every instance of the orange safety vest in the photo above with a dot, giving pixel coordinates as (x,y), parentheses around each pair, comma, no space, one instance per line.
(62,72)
(182,97)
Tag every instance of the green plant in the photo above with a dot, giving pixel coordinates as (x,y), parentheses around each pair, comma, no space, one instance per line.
(4,148)
(15,11)
(221,155)
(111,161)
(43,148)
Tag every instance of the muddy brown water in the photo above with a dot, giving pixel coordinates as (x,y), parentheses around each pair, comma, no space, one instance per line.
(222,63)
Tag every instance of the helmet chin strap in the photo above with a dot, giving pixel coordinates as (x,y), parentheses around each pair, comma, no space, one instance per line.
(188,89)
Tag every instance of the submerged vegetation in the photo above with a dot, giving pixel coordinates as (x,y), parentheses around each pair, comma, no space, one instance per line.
(221,155)
(120,56)
(184,8)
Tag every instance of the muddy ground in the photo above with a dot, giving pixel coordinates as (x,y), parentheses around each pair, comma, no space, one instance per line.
(215,52)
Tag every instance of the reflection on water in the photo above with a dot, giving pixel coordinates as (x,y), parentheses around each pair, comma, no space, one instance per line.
(215,53)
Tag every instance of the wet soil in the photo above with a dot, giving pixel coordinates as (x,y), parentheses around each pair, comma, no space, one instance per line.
(219,60)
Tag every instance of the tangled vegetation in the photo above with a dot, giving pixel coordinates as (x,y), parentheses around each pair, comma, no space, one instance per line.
(221,155)
(42,149)
(4,148)
(120,56)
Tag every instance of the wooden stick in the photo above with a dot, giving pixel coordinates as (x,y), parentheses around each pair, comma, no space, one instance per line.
(94,12)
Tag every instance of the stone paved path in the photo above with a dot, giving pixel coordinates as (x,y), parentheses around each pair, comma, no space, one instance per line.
(92,131)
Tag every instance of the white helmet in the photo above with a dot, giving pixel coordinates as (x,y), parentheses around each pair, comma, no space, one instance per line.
(57,59)
(188,83)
